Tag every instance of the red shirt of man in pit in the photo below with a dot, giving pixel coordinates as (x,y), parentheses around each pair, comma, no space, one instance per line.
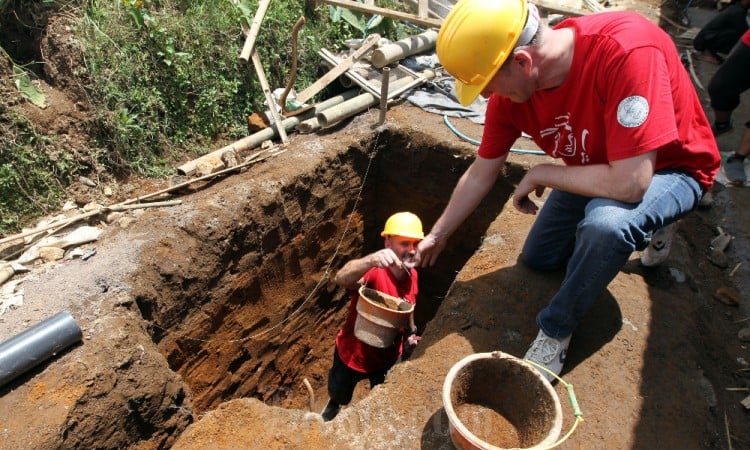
(389,270)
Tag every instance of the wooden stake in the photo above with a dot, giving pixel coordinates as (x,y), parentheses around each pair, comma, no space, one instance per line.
(269,97)
(60,225)
(384,97)
(422,9)
(385,12)
(337,70)
(252,34)
(249,51)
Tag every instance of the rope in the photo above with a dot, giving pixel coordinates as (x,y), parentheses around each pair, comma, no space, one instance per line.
(475,142)
(323,278)
(571,397)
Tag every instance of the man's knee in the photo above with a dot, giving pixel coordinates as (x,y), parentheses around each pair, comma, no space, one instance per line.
(539,259)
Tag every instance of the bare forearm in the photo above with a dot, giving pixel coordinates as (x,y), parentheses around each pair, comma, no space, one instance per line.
(473,186)
(349,275)
(627,183)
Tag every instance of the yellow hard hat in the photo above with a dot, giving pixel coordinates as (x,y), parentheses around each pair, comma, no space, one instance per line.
(478,36)
(403,224)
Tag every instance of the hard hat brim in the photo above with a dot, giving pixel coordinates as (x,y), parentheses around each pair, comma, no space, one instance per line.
(467,93)
(416,237)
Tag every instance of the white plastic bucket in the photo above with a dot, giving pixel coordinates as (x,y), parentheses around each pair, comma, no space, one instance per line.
(496,401)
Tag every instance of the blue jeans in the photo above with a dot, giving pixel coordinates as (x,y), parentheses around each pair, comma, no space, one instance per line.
(595,237)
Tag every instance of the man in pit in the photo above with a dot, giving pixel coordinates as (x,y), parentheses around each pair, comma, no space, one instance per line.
(389,270)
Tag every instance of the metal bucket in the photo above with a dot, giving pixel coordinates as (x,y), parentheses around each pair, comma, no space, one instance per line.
(497,401)
(379,317)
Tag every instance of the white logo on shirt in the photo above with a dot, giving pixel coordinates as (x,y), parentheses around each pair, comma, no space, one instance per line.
(565,143)
(632,111)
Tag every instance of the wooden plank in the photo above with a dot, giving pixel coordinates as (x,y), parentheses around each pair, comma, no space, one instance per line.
(250,52)
(559,9)
(436,8)
(422,10)
(361,7)
(338,70)
(269,96)
(247,48)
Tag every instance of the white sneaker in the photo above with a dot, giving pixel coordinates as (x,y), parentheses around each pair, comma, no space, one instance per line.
(548,352)
(658,249)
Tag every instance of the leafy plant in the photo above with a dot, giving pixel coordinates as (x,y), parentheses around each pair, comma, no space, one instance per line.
(29,91)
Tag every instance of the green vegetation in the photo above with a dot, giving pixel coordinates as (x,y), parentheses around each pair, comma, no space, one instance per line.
(33,172)
(163,79)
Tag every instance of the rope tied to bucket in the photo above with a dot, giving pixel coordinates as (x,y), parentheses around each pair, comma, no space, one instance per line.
(577,413)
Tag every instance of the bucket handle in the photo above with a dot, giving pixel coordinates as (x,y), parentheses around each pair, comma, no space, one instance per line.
(571,398)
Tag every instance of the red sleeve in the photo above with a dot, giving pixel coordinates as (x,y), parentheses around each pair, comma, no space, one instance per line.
(498,136)
(639,108)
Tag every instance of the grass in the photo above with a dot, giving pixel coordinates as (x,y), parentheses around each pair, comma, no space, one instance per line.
(164,83)
(33,172)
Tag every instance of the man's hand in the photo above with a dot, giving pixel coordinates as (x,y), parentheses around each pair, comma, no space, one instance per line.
(521,199)
(384,258)
(410,343)
(351,274)
(428,250)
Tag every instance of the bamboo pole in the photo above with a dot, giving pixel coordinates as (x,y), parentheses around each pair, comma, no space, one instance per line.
(119,206)
(399,50)
(252,34)
(250,52)
(255,139)
(361,7)
(364,101)
(337,70)
(269,96)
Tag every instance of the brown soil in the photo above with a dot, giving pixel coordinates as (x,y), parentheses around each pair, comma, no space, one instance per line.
(201,321)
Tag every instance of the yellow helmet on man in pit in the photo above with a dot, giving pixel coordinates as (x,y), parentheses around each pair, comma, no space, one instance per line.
(404,224)
(478,36)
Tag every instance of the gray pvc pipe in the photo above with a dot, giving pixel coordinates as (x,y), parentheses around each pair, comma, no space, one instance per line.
(35,345)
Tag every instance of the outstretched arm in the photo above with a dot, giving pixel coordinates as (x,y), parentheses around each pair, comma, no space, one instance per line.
(474,184)
(350,276)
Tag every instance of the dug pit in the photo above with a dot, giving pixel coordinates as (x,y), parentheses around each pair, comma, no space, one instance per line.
(250,310)
(233,287)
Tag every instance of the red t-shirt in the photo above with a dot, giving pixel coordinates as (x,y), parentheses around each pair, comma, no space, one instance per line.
(746,38)
(355,353)
(627,93)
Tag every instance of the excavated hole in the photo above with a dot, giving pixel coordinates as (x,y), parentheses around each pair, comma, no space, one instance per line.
(266,316)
